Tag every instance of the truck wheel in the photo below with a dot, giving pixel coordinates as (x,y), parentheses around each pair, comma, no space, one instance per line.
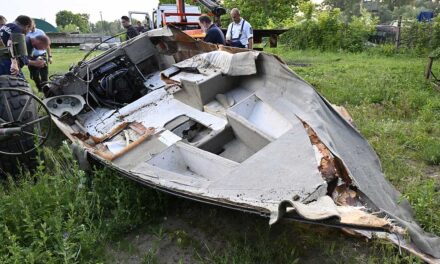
(17,151)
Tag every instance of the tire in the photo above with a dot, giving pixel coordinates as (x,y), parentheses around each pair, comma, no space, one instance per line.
(13,164)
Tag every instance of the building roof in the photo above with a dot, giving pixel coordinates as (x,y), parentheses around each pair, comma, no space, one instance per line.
(44,25)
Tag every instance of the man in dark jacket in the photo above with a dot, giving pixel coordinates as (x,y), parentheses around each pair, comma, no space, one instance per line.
(131,31)
(140,28)
(22,25)
(213,33)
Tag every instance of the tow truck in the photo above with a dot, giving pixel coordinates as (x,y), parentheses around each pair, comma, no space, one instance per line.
(185,17)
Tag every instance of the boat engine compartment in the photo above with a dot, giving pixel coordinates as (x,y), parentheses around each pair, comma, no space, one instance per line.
(223,125)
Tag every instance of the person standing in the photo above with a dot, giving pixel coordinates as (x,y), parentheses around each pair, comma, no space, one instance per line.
(131,31)
(40,42)
(240,33)
(21,25)
(213,33)
(140,28)
(39,74)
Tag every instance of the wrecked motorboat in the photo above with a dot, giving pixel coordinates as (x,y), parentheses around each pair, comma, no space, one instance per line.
(230,127)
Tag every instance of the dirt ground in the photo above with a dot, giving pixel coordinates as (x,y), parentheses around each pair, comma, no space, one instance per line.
(196,233)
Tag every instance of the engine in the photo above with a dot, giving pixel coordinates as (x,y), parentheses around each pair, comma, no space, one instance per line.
(118,82)
(112,79)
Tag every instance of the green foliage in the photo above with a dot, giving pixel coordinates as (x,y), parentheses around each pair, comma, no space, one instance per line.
(435,54)
(386,49)
(69,28)
(325,30)
(330,29)
(64,18)
(108,28)
(425,198)
(420,36)
(358,31)
(387,10)
(277,12)
(349,7)
(61,215)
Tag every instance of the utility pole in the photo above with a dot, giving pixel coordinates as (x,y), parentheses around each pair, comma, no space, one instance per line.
(399,28)
(102,23)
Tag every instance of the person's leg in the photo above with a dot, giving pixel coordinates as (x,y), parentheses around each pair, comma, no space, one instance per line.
(35,75)
(44,72)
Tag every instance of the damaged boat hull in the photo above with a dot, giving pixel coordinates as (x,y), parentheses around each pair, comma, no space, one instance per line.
(234,128)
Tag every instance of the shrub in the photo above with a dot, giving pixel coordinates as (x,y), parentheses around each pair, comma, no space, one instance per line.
(358,31)
(331,29)
(386,49)
(421,36)
(430,151)
(326,30)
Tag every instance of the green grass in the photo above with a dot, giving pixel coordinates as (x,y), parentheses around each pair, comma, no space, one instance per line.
(63,59)
(63,215)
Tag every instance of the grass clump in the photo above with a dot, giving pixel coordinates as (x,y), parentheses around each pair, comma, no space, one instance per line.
(60,214)
(430,151)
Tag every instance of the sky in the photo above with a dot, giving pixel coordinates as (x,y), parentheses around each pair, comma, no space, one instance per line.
(46,9)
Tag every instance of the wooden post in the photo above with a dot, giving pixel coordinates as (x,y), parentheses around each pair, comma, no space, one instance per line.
(399,26)
(273,40)
(428,69)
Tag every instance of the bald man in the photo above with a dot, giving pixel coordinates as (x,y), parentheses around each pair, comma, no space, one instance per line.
(240,33)
(38,45)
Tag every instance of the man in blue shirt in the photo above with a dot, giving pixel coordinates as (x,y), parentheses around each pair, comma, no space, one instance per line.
(21,25)
(213,33)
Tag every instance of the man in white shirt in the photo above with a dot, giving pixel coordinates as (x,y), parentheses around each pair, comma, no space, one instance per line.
(240,33)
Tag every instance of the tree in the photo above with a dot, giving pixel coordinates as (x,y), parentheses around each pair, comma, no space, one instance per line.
(69,28)
(64,18)
(265,13)
(107,28)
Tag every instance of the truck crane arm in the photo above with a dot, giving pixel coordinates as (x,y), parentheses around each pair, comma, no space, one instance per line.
(213,6)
